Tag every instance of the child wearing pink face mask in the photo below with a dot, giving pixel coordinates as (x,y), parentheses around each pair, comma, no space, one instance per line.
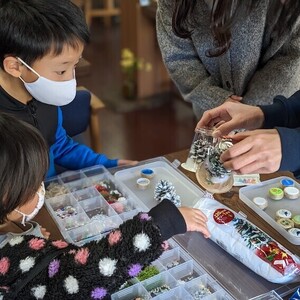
(32,267)
(39,53)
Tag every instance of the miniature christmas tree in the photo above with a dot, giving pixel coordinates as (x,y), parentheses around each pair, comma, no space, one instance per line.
(214,165)
(166,190)
(252,235)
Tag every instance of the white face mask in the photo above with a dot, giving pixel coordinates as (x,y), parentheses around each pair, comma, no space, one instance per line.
(41,195)
(51,92)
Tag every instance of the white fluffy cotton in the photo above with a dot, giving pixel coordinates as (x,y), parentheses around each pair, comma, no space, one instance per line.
(39,291)
(16,240)
(141,242)
(71,285)
(26,264)
(107,266)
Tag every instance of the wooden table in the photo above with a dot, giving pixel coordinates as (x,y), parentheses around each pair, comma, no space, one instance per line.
(241,282)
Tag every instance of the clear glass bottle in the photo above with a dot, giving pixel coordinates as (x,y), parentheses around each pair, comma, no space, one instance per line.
(202,142)
(211,174)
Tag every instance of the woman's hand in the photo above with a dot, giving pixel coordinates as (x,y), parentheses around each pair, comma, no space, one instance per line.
(234,98)
(195,220)
(232,115)
(257,151)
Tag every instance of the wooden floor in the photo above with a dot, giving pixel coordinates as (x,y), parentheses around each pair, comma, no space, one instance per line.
(139,134)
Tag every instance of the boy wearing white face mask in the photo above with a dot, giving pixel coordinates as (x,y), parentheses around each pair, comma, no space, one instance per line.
(41,43)
(32,267)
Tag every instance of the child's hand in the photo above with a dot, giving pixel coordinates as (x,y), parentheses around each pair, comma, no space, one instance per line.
(195,220)
(126,162)
(45,233)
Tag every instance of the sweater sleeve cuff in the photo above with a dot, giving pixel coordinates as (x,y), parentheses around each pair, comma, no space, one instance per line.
(274,114)
(168,218)
(290,141)
(109,163)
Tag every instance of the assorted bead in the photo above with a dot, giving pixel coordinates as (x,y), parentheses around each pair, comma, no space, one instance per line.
(202,292)
(172,264)
(159,290)
(66,211)
(109,191)
(55,189)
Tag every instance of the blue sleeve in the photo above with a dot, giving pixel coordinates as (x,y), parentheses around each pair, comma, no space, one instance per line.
(72,155)
(283,115)
(284,112)
(290,148)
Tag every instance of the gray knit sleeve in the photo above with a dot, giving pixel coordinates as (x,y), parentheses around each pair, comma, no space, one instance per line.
(280,74)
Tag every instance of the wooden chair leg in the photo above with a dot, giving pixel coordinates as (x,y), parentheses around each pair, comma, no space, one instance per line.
(108,5)
(88,11)
(94,126)
(95,132)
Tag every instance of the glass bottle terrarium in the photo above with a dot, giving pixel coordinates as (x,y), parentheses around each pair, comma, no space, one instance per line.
(211,174)
(202,142)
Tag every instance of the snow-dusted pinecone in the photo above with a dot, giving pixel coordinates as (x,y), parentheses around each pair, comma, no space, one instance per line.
(199,150)
(166,190)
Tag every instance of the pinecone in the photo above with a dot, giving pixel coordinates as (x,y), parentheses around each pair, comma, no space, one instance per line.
(199,150)
(166,190)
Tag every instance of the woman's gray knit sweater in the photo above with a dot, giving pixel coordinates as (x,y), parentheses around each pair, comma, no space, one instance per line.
(257,66)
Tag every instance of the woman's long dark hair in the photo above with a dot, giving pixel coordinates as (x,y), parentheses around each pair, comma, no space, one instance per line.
(224,13)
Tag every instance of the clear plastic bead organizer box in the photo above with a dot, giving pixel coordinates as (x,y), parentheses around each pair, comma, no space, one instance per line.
(88,203)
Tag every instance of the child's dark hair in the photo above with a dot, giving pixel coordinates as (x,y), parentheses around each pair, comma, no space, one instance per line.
(30,29)
(23,163)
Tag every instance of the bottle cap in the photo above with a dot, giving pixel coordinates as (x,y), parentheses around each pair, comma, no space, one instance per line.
(147,173)
(143,183)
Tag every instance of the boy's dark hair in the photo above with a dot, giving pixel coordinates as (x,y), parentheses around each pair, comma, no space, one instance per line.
(23,163)
(30,29)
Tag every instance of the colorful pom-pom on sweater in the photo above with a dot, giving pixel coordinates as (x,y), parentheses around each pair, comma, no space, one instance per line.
(93,271)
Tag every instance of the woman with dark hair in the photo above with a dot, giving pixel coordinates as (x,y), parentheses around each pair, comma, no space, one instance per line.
(219,50)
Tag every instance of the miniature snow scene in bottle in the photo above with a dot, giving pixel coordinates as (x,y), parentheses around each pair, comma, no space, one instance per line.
(211,174)
(202,142)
